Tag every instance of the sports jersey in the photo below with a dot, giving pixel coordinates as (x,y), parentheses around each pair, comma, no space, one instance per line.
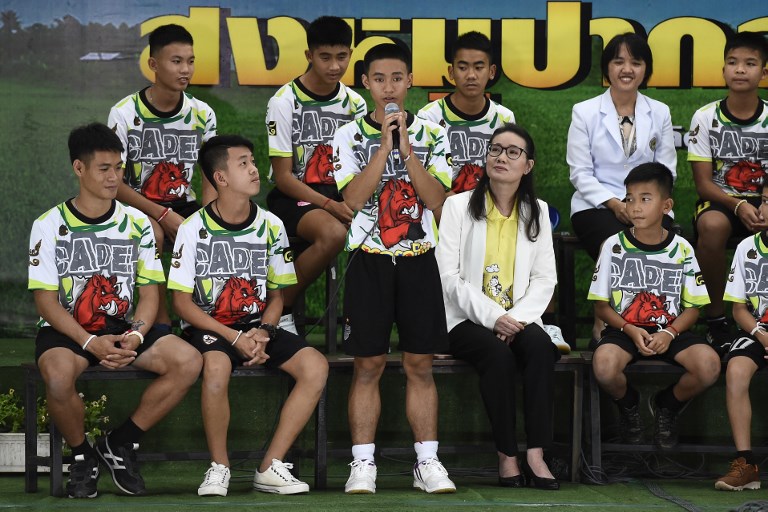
(468,136)
(738,149)
(161,148)
(94,264)
(301,124)
(747,282)
(394,220)
(648,285)
(229,268)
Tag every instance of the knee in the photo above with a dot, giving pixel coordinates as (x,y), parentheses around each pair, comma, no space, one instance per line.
(717,228)
(186,363)
(709,369)
(737,378)
(606,368)
(59,381)
(333,237)
(216,379)
(368,371)
(314,372)
(419,369)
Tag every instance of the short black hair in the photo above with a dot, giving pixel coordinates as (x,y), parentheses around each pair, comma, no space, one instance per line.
(330,31)
(750,40)
(652,172)
(472,41)
(638,48)
(387,51)
(84,141)
(214,153)
(168,34)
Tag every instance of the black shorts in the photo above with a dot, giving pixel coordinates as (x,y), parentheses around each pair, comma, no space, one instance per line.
(595,225)
(747,346)
(279,350)
(291,210)
(683,341)
(379,292)
(48,338)
(738,229)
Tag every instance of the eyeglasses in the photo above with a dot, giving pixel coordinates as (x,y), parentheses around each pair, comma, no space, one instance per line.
(513,152)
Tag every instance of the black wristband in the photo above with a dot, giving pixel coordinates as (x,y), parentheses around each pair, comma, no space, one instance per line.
(271,331)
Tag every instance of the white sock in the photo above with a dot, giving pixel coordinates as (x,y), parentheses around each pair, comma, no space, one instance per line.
(425,450)
(363,451)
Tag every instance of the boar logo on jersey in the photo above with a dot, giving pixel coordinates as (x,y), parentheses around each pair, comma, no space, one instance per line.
(399,213)
(467,178)
(745,176)
(320,166)
(98,300)
(166,183)
(238,299)
(648,309)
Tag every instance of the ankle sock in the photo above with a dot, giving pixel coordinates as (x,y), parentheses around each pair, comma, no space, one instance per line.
(666,399)
(425,450)
(363,451)
(126,433)
(630,398)
(748,456)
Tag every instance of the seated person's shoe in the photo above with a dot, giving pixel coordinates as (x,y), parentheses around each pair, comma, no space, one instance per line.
(278,479)
(740,476)
(430,476)
(517,481)
(122,464)
(545,484)
(216,481)
(630,425)
(83,477)
(362,477)
(665,425)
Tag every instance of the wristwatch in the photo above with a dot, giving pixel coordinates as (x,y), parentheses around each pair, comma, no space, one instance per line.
(271,331)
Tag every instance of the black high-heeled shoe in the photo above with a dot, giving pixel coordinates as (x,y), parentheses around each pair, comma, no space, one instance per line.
(517,481)
(545,484)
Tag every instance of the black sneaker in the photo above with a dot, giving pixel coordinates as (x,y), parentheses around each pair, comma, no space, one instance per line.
(83,477)
(665,426)
(630,425)
(719,336)
(122,463)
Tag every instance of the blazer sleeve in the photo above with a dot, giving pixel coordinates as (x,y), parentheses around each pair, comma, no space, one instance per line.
(543,276)
(457,292)
(579,154)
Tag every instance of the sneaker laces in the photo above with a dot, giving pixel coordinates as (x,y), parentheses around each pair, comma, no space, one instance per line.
(216,474)
(359,465)
(282,469)
(435,464)
(738,468)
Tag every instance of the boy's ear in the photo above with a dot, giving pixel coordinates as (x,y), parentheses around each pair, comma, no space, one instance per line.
(493,72)
(450,72)
(410,80)
(78,166)
(152,63)
(364,79)
(308,54)
(668,204)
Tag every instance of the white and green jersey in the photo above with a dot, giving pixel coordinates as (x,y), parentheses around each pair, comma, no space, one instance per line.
(648,285)
(468,136)
(161,148)
(301,125)
(394,220)
(737,149)
(748,279)
(229,268)
(93,264)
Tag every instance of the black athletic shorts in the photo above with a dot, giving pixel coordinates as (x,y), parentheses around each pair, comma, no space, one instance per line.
(290,210)
(738,229)
(381,290)
(683,341)
(746,345)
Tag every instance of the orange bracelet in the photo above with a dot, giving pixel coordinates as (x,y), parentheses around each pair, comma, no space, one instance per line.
(623,326)
(326,203)
(677,333)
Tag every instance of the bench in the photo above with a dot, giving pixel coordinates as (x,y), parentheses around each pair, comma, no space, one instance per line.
(572,363)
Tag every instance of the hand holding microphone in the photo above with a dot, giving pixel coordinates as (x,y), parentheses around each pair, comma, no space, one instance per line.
(392,108)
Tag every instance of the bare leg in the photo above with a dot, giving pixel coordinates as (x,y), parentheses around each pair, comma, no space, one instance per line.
(508,466)
(310,370)
(710,252)
(738,376)
(365,399)
(420,396)
(535,458)
(217,369)
(60,368)
(702,366)
(608,363)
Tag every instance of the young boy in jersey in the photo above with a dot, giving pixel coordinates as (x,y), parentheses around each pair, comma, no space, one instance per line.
(162,128)
(467,114)
(647,289)
(302,118)
(726,151)
(393,170)
(87,255)
(230,263)
(747,353)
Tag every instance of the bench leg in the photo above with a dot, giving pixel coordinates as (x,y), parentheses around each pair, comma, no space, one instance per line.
(57,469)
(578,404)
(321,442)
(331,299)
(594,418)
(30,432)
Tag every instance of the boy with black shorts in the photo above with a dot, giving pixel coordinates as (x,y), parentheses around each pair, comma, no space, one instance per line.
(467,114)
(647,289)
(162,128)
(726,149)
(86,258)
(230,263)
(302,118)
(393,170)
(747,354)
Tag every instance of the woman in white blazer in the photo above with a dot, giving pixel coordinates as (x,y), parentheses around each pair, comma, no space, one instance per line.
(497,267)
(609,136)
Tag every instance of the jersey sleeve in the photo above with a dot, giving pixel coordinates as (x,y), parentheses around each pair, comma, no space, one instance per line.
(600,288)
(359,108)
(115,122)
(346,165)
(280,272)
(699,149)
(149,269)
(210,125)
(43,274)
(181,277)
(694,293)
(279,125)
(438,162)
(735,291)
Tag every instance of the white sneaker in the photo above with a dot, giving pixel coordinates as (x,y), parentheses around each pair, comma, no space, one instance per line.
(216,481)
(286,323)
(278,479)
(362,478)
(430,476)
(557,338)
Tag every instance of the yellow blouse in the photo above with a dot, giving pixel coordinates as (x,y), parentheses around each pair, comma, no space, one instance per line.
(500,245)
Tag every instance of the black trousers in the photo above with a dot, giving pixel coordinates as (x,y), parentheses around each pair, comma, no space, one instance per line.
(533,355)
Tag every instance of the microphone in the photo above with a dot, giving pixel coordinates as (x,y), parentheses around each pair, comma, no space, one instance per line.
(392,108)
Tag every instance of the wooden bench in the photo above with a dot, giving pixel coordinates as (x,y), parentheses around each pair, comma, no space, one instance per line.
(338,366)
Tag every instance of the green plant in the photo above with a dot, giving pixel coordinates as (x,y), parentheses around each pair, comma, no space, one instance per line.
(12,414)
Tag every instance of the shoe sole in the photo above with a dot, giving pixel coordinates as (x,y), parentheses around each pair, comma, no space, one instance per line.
(94,495)
(722,486)
(283,489)
(360,491)
(112,472)
(439,490)
(216,491)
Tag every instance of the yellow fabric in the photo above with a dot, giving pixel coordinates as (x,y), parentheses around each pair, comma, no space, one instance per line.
(500,245)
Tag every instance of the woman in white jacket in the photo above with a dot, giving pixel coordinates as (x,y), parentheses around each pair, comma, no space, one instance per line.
(497,267)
